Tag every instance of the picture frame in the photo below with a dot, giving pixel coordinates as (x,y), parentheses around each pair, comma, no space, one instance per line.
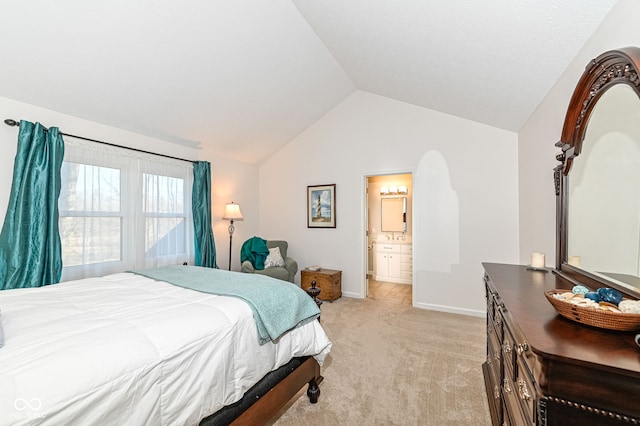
(321,206)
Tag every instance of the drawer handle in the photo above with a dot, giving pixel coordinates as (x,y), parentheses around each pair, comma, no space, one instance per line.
(506,348)
(496,392)
(505,386)
(523,390)
(522,348)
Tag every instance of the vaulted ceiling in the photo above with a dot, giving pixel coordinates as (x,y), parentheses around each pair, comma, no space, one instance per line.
(247,76)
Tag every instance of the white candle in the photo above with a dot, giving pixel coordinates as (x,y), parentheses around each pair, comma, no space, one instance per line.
(574,260)
(537,260)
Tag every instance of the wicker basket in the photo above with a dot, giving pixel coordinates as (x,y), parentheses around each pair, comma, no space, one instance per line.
(593,317)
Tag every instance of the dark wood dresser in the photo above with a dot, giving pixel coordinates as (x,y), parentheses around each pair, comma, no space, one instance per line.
(543,369)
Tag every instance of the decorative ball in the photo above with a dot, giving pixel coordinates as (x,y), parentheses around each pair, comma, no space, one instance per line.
(579,289)
(610,295)
(592,295)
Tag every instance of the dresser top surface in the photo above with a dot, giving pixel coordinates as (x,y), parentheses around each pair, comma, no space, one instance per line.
(551,336)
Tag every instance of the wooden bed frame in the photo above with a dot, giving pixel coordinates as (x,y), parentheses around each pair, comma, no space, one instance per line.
(278,396)
(272,392)
(269,395)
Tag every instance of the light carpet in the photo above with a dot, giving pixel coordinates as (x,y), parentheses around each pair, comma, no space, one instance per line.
(393,364)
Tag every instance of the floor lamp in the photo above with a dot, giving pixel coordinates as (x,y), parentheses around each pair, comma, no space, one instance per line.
(232,212)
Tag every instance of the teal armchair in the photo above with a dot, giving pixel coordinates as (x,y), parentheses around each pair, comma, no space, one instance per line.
(285,273)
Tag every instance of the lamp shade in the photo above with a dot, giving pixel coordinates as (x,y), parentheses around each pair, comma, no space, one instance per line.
(232,212)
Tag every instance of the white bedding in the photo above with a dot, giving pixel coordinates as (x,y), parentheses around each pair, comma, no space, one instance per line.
(127,350)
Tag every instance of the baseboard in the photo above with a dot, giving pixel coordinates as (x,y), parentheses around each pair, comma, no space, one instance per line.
(452,310)
(432,307)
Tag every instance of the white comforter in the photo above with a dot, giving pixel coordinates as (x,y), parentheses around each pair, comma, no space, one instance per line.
(127,350)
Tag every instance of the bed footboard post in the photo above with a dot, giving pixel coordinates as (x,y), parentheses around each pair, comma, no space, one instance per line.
(314,391)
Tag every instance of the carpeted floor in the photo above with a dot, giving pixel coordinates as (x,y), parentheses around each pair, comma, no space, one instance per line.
(392,364)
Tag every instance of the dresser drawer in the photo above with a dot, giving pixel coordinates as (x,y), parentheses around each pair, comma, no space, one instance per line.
(509,418)
(494,319)
(507,348)
(406,265)
(387,248)
(493,303)
(494,353)
(493,364)
(519,386)
(524,387)
(406,249)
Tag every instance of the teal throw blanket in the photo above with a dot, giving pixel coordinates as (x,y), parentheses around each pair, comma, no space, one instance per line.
(254,250)
(278,306)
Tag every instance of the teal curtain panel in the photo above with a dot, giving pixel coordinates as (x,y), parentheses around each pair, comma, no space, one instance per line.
(205,247)
(30,249)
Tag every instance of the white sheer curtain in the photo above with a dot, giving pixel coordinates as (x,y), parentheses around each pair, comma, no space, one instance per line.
(166,212)
(121,210)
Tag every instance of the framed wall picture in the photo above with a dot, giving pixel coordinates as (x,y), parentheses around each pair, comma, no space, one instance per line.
(321,206)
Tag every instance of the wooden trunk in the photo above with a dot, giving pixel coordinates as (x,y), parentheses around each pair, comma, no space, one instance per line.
(328,281)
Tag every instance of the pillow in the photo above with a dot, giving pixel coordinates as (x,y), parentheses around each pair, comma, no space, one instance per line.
(274,258)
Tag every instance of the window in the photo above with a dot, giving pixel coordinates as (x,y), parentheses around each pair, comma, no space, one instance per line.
(165,215)
(122,210)
(90,214)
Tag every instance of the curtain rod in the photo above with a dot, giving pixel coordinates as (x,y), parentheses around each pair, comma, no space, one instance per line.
(10,122)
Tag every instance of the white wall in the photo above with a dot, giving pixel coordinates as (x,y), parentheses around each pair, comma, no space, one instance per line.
(537,138)
(231,180)
(368,134)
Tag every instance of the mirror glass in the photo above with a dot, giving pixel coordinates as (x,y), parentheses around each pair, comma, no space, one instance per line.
(393,214)
(603,211)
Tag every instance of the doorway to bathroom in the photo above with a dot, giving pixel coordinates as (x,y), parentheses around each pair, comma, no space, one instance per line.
(389,237)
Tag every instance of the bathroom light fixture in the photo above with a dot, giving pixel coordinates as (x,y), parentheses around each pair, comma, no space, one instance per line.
(393,190)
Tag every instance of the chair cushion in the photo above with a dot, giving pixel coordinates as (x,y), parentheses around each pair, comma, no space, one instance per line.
(278,272)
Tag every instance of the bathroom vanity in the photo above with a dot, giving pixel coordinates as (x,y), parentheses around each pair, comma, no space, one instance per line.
(394,261)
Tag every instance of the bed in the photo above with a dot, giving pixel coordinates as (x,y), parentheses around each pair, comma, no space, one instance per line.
(128,349)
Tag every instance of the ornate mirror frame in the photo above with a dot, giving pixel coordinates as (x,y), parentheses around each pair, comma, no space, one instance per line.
(614,67)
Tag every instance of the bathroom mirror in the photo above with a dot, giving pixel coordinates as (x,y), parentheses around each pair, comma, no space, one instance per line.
(598,182)
(394,214)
